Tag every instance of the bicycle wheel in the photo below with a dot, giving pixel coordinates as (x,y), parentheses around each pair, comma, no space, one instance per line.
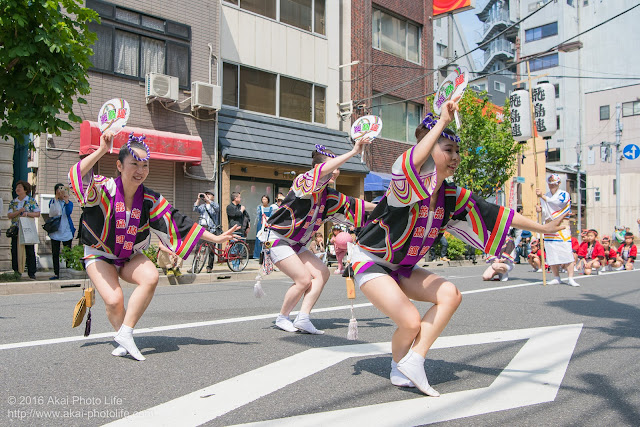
(238,257)
(200,258)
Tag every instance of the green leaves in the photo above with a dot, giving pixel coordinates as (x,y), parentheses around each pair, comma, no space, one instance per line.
(44,58)
(488,153)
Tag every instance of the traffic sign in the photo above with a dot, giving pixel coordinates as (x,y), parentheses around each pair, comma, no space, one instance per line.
(631,151)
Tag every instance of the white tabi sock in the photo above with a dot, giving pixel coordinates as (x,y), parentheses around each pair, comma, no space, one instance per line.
(284,323)
(303,323)
(555,281)
(397,378)
(120,351)
(124,337)
(412,366)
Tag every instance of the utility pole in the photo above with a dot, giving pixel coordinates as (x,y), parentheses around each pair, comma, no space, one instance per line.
(618,152)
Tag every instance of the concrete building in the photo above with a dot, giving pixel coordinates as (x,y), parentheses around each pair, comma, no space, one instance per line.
(600,126)
(281,83)
(178,43)
(392,40)
(497,16)
(442,55)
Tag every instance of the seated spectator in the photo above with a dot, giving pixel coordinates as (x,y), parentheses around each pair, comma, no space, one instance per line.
(317,247)
(610,254)
(590,253)
(501,266)
(627,253)
(169,261)
(535,257)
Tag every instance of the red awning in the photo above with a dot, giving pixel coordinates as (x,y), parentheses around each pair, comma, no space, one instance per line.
(163,145)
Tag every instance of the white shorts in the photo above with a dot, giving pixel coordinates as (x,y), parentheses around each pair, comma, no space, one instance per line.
(88,250)
(283,251)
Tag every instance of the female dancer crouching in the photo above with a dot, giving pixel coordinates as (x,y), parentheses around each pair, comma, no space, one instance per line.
(414,213)
(118,214)
(308,205)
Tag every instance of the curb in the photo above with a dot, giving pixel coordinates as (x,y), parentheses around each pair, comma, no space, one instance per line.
(217,276)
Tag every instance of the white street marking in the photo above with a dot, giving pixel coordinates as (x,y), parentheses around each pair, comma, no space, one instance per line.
(533,376)
(155,329)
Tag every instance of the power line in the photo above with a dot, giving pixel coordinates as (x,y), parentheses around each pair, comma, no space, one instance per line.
(452,61)
(528,58)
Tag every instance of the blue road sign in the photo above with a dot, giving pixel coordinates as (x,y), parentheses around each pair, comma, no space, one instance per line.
(631,151)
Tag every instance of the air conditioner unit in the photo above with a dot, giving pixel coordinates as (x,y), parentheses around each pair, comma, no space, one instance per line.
(205,96)
(161,87)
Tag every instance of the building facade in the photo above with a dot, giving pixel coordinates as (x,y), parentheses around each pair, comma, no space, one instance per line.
(180,45)
(495,75)
(443,35)
(392,40)
(600,127)
(281,83)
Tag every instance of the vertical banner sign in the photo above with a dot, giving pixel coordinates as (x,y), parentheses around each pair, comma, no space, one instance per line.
(543,97)
(520,115)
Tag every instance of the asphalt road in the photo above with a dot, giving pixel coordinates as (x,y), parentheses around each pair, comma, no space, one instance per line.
(515,353)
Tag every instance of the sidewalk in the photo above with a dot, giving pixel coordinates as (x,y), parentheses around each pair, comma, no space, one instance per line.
(220,273)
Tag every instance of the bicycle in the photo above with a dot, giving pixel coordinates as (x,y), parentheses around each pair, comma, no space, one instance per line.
(236,254)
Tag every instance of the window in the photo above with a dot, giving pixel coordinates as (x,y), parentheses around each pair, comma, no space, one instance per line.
(439,22)
(543,62)
(260,91)
(307,15)
(541,32)
(400,118)
(553,155)
(499,86)
(557,88)
(604,112)
(441,49)
(631,108)
(557,122)
(396,36)
(133,44)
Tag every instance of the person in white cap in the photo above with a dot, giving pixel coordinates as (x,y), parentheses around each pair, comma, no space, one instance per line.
(557,245)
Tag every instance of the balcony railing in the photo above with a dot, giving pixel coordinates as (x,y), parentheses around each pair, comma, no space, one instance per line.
(499,45)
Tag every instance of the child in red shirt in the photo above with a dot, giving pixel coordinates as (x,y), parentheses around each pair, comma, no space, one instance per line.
(627,253)
(535,256)
(610,254)
(591,253)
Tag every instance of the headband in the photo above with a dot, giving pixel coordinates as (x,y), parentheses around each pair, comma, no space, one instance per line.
(430,121)
(554,178)
(321,149)
(139,140)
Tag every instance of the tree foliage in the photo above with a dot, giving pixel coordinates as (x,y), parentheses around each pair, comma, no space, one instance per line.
(45,50)
(488,153)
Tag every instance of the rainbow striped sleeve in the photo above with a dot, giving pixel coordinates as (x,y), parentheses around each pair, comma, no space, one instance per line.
(310,182)
(409,185)
(88,188)
(178,232)
(350,207)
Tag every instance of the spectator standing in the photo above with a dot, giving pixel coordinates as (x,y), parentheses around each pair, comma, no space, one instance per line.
(209,212)
(23,206)
(237,214)
(263,213)
(60,206)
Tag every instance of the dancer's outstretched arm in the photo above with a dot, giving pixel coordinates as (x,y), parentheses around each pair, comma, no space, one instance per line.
(334,163)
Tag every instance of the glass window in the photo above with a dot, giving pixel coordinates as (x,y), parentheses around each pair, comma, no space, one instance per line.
(541,63)
(295,99)
(413,43)
(257,91)
(230,84)
(604,112)
(400,118)
(102,57)
(553,155)
(318,19)
(631,108)
(126,53)
(557,88)
(153,23)
(296,13)
(441,49)
(319,104)
(395,36)
(541,32)
(127,16)
(636,108)
(152,56)
(261,7)
(178,62)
